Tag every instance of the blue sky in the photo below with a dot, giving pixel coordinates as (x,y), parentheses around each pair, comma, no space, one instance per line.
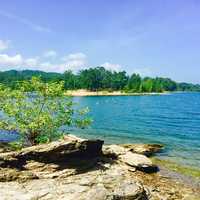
(150,37)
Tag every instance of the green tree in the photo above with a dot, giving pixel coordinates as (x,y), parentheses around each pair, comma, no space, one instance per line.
(69,80)
(134,83)
(92,78)
(146,85)
(96,79)
(157,85)
(168,84)
(119,80)
(38,110)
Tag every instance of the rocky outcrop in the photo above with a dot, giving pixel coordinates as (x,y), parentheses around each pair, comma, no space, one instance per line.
(144,149)
(111,184)
(53,152)
(67,169)
(125,155)
(79,169)
(67,157)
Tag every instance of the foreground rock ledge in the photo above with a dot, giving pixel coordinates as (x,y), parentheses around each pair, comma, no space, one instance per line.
(76,169)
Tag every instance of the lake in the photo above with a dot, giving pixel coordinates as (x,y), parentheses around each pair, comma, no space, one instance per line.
(170,119)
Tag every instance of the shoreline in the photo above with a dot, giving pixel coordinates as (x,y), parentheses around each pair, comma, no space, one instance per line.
(181,169)
(82,93)
(180,173)
(184,170)
(188,171)
(109,166)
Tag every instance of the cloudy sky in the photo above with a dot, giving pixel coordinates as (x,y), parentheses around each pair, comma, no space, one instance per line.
(150,37)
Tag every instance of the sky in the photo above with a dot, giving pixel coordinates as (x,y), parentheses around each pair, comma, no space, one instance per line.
(149,37)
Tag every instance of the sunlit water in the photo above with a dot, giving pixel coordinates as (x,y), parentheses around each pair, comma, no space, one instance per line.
(172,120)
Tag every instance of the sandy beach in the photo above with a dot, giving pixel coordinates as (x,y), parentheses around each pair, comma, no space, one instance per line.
(82,92)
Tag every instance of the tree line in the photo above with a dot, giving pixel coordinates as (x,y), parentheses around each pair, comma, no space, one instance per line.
(98,78)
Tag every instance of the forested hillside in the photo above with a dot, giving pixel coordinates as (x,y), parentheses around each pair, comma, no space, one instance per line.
(99,79)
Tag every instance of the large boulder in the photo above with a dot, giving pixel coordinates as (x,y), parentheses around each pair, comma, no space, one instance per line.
(54,152)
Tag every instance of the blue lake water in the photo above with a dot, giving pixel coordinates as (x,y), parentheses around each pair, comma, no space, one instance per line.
(172,120)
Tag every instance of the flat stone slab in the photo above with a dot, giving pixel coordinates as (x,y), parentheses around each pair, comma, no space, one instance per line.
(113,183)
(144,149)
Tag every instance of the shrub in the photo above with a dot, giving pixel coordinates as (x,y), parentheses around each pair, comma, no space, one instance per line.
(38,110)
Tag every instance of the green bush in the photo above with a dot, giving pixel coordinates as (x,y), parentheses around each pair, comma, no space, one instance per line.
(38,110)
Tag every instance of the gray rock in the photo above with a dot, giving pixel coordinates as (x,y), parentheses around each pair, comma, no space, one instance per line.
(99,192)
(111,184)
(77,169)
(134,160)
(129,190)
(138,161)
(114,150)
(53,152)
(144,149)
(70,169)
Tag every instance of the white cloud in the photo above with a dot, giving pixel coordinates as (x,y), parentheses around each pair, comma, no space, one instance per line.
(75,64)
(4,45)
(75,61)
(12,61)
(75,56)
(26,22)
(111,66)
(50,67)
(30,62)
(17,62)
(50,54)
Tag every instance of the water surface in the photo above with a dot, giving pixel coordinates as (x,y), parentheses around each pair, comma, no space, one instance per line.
(172,120)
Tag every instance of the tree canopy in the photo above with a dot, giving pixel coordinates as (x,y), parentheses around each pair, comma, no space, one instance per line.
(98,78)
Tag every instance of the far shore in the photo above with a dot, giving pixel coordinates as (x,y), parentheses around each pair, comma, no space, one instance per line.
(83,92)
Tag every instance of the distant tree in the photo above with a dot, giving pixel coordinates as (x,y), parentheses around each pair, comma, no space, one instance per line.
(134,83)
(168,84)
(157,85)
(107,80)
(69,80)
(146,85)
(98,78)
(119,80)
(92,78)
